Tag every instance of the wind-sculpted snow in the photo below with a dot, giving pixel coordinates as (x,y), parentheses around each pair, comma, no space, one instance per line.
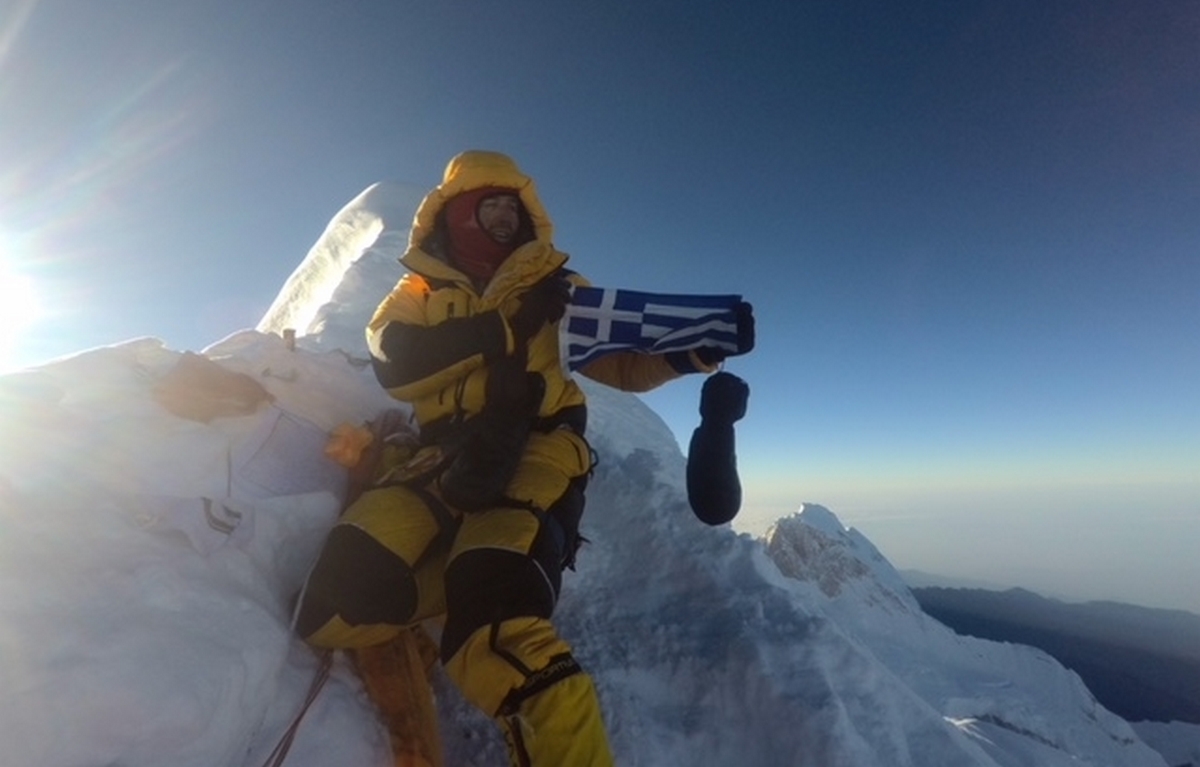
(706,657)
(148,563)
(135,632)
(365,222)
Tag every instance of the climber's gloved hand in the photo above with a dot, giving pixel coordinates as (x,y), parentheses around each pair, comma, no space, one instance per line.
(723,399)
(511,391)
(714,355)
(544,303)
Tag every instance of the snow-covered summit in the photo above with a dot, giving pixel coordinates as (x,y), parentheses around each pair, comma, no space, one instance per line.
(1015,702)
(148,560)
(812,545)
(313,301)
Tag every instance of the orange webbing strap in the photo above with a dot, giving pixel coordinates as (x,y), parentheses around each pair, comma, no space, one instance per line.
(395,674)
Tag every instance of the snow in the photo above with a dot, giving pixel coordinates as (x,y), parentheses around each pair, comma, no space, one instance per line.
(148,563)
(1178,742)
(378,217)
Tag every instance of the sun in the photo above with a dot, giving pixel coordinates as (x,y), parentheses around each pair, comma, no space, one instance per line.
(19,305)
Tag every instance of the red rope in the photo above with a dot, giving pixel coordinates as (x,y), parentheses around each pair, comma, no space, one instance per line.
(276,757)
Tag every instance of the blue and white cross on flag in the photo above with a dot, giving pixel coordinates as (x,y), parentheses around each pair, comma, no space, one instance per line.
(600,321)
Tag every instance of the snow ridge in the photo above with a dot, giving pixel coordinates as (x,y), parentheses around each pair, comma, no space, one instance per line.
(379,216)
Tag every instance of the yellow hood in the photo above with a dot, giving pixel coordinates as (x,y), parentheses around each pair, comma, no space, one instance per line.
(474,169)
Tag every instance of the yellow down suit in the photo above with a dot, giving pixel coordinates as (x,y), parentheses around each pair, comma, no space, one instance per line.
(403,553)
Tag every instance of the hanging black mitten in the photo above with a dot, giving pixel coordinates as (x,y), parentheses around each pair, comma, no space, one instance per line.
(714,490)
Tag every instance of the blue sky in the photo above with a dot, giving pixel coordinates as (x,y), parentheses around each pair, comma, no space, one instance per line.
(970,230)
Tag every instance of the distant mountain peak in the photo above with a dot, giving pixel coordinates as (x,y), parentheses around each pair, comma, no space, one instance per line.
(813,545)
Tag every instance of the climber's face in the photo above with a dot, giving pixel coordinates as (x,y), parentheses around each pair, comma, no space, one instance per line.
(499,217)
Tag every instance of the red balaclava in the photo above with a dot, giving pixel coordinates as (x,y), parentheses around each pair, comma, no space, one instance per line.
(472,250)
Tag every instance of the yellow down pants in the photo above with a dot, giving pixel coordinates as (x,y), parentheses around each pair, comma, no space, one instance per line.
(400,555)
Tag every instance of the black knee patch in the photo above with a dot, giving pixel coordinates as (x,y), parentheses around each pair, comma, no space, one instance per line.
(486,586)
(360,579)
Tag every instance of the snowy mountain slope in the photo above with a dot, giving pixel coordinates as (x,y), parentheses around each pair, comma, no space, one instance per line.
(1141,663)
(711,658)
(1178,742)
(147,562)
(377,218)
(994,691)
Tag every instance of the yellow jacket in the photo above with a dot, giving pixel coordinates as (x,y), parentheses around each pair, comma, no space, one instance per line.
(432,338)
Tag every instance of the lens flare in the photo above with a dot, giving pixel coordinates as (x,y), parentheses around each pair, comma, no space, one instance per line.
(20,307)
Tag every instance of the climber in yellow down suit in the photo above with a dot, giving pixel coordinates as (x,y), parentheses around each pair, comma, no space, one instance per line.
(479,525)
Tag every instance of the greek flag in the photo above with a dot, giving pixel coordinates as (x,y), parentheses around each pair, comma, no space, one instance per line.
(599,321)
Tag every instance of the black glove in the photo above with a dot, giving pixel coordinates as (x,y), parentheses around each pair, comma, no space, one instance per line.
(511,390)
(714,489)
(543,303)
(713,355)
(723,399)
(492,442)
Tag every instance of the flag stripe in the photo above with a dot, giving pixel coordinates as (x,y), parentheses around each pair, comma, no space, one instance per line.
(600,321)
